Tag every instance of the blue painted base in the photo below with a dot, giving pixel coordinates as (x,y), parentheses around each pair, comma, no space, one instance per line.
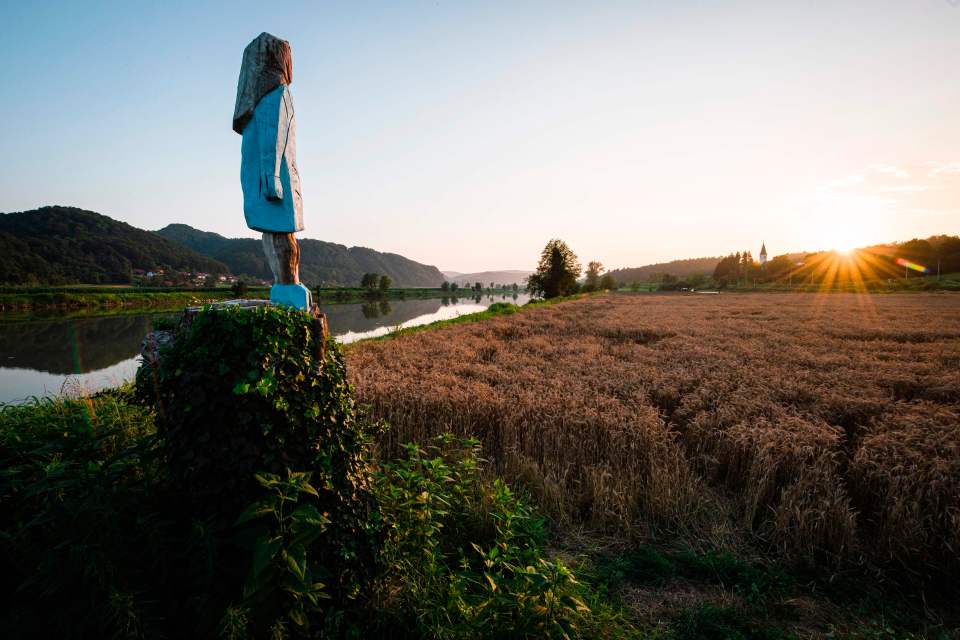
(292,295)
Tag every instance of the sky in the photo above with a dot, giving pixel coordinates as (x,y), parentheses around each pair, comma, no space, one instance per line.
(466,135)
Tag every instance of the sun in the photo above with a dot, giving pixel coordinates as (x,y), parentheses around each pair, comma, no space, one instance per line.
(844,241)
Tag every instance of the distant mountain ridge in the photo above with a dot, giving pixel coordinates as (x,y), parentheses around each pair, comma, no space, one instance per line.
(59,245)
(321,263)
(679,268)
(507,276)
(66,245)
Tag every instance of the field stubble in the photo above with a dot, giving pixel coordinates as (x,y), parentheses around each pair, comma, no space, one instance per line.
(826,428)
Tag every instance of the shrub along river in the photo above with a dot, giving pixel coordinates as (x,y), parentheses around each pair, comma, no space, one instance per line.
(53,353)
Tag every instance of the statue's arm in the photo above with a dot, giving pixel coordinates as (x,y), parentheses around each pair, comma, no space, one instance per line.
(270,134)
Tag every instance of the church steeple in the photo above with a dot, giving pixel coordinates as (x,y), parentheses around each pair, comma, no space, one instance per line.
(763,253)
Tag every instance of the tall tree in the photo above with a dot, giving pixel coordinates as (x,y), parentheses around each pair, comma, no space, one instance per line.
(727,269)
(557,273)
(594,269)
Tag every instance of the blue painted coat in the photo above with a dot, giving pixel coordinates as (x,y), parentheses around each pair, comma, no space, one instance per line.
(268,166)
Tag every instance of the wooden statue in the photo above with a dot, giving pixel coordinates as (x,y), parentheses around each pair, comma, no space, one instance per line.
(268,168)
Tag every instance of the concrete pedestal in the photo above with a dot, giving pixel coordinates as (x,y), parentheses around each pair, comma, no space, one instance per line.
(292,295)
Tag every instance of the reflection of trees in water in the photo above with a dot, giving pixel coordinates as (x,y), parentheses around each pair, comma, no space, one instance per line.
(60,345)
(373,310)
(360,317)
(72,345)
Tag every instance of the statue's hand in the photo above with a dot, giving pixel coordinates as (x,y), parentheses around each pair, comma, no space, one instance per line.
(274,188)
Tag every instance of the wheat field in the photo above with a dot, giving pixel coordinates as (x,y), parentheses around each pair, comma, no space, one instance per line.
(825,428)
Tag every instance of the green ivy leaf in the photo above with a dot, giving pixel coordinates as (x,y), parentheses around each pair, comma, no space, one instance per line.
(254,511)
(296,559)
(307,514)
(264,553)
(298,616)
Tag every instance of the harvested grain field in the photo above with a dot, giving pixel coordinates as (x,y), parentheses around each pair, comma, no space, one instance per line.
(824,428)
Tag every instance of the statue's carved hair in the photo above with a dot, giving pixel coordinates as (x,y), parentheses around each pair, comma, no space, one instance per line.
(267,63)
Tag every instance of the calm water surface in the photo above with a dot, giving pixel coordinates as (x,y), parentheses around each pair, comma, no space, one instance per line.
(52,354)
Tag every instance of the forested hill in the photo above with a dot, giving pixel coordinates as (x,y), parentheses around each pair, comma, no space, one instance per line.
(66,245)
(321,263)
(679,268)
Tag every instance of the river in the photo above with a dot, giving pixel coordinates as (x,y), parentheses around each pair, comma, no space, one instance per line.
(55,353)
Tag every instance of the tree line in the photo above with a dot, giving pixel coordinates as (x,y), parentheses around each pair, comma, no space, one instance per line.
(375,281)
(558,272)
(933,256)
(477,287)
(559,269)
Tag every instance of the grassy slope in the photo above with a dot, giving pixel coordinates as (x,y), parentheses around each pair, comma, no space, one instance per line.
(495,310)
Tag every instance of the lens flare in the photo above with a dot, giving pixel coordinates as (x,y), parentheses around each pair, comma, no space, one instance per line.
(911,265)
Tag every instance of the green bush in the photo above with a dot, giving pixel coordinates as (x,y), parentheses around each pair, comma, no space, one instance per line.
(503,308)
(79,538)
(464,557)
(256,391)
(284,582)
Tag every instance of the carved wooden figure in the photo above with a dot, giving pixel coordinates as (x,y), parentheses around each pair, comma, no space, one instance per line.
(269,177)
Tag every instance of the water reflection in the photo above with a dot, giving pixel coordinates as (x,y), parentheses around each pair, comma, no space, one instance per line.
(75,355)
(44,355)
(74,345)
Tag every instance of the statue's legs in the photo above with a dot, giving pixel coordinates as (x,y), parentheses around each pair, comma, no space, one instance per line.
(283,256)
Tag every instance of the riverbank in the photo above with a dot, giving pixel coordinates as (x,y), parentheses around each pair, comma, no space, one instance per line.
(73,298)
(78,298)
(332,295)
(494,310)
(90,348)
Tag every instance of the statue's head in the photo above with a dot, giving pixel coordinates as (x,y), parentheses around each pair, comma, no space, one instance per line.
(267,63)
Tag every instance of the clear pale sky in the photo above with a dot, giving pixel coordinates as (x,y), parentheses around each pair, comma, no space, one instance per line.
(466,135)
